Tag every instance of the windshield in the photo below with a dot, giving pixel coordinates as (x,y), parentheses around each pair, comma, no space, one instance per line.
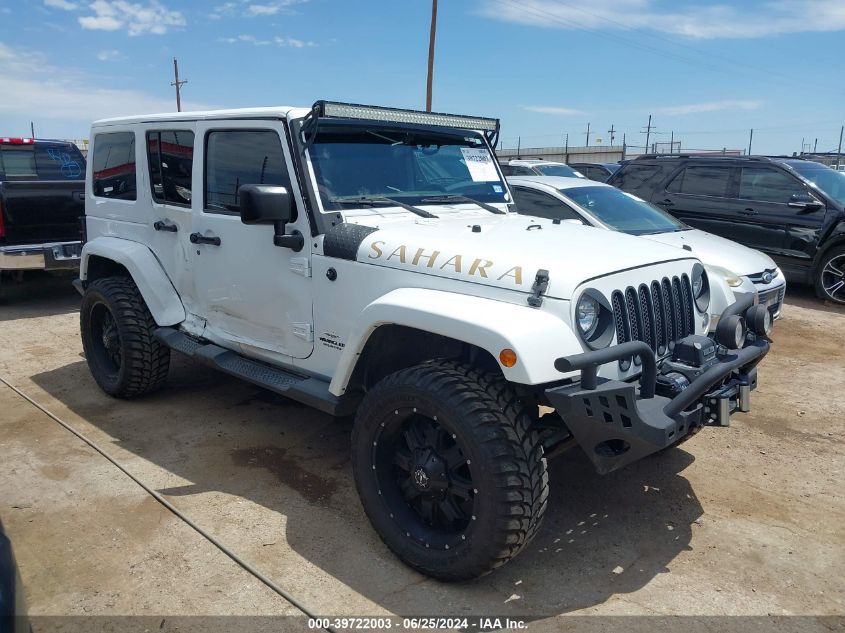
(623,211)
(558,170)
(828,180)
(409,165)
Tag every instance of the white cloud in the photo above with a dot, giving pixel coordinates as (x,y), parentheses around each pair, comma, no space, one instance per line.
(137,19)
(727,20)
(278,41)
(552,110)
(46,92)
(65,5)
(250,9)
(110,55)
(709,106)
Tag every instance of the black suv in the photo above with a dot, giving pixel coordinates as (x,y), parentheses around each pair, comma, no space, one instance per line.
(790,208)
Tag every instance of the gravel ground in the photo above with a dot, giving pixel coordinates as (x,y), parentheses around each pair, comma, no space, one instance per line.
(746,520)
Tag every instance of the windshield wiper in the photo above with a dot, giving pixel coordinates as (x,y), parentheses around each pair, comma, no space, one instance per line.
(376,200)
(457,198)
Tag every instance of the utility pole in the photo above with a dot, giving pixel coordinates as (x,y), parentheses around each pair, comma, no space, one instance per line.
(750,138)
(647,131)
(518,146)
(588,135)
(431,36)
(32,131)
(612,132)
(566,150)
(816,145)
(672,142)
(802,146)
(624,146)
(178,85)
(839,151)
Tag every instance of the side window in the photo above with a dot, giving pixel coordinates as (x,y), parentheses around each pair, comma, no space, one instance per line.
(241,157)
(507,170)
(542,205)
(702,181)
(171,159)
(768,185)
(633,177)
(113,165)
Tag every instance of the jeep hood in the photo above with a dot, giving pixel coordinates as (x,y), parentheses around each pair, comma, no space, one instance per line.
(506,251)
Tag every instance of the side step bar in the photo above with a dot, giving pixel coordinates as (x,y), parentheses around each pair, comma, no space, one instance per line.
(305,389)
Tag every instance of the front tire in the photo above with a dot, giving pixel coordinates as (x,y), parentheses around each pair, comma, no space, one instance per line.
(117,331)
(448,470)
(830,276)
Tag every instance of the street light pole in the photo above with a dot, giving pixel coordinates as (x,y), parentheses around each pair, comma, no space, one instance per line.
(431,37)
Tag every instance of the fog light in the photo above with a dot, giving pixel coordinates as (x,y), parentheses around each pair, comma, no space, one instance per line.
(759,319)
(731,332)
(507,357)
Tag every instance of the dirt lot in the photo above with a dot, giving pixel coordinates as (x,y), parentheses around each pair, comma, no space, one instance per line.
(745,520)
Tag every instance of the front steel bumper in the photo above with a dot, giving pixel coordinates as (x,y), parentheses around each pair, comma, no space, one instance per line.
(617,423)
(51,256)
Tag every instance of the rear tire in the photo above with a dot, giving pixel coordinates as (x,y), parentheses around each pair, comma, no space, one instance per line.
(448,470)
(117,330)
(830,276)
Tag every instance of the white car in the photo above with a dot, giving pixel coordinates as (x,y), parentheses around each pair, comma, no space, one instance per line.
(539,167)
(363,260)
(743,269)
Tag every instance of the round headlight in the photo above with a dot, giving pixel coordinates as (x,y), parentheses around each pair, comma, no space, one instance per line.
(731,332)
(700,288)
(587,315)
(759,319)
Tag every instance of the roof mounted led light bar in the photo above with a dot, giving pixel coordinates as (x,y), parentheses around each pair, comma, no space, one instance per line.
(339,110)
(394,115)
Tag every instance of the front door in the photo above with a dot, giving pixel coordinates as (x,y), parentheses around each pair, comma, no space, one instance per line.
(250,293)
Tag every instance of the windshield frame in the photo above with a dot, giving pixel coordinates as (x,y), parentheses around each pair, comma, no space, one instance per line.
(325,218)
(681,226)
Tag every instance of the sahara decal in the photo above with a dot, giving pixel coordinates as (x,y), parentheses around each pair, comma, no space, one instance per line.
(459,263)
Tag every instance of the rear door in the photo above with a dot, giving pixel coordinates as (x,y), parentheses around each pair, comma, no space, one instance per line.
(698,195)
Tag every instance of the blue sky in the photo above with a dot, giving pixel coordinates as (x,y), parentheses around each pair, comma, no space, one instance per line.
(709,70)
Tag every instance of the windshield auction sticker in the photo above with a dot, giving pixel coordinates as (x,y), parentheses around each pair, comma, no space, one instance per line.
(480,164)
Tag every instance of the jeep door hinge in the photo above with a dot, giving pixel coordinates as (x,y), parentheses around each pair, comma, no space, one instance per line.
(301,266)
(305,331)
(541,284)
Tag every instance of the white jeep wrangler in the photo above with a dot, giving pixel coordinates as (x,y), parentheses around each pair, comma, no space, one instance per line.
(367,260)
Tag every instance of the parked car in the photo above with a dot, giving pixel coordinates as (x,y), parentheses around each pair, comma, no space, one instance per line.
(539,167)
(41,202)
(599,172)
(741,268)
(789,208)
(362,260)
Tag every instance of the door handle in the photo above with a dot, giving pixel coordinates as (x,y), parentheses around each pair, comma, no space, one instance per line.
(199,238)
(748,212)
(158,225)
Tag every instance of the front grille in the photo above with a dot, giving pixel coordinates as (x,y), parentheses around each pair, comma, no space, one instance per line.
(757,278)
(773,299)
(657,314)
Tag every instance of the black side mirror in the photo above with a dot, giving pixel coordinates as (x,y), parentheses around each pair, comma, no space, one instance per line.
(804,202)
(264,204)
(270,204)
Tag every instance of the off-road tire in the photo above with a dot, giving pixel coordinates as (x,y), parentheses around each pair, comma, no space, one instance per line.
(819,275)
(143,361)
(492,427)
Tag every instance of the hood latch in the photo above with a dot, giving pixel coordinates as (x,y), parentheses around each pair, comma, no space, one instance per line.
(541,284)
